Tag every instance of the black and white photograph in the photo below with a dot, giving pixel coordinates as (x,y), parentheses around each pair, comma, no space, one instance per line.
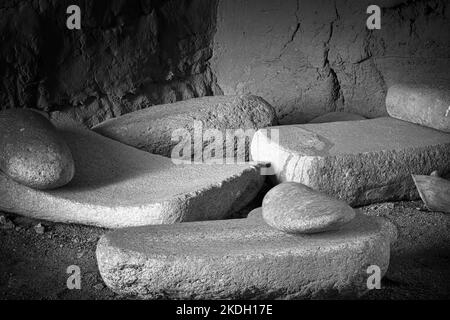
(223,155)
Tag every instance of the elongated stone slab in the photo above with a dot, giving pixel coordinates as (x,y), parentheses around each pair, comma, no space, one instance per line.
(157,129)
(424,104)
(337,116)
(360,162)
(242,259)
(118,186)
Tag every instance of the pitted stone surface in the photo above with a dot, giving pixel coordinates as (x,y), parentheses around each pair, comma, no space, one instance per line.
(424,104)
(118,186)
(243,258)
(32,152)
(337,116)
(359,162)
(295,208)
(153,129)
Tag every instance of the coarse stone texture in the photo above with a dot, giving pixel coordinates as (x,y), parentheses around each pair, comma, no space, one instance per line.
(127,56)
(242,259)
(310,57)
(295,208)
(359,162)
(155,129)
(425,104)
(337,116)
(118,186)
(32,152)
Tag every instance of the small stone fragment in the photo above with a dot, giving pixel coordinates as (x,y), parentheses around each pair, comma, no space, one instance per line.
(295,208)
(39,228)
(5,223)
(434,192)
(99,286)
(8,225)
(435,173)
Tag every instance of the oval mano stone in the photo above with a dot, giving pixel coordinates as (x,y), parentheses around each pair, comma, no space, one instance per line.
(425,104)
(295,208)
(31,152)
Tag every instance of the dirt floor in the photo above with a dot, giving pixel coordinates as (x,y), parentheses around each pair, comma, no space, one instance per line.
(34,261)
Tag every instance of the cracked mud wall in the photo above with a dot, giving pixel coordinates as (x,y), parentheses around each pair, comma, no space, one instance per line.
(306,57)
(309,57)
(128,55)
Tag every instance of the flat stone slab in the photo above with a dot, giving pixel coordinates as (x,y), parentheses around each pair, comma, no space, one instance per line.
(425,104)
(337,116)
(242,259)
(159,129)
(119,186)
(360,162)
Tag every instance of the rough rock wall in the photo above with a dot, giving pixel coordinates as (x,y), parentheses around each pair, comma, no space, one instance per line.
(128,55)
(308,57)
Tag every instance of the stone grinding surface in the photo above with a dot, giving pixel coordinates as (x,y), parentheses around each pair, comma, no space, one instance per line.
(152,129)
(243,258)
(116,186)
(337,116)
(360,162)
(355,137)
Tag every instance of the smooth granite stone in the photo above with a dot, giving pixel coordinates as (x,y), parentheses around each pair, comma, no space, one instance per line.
(295,208)
(359,162)
(424,104)
(243,259)
(153,129)
(119,186)
(337,116)
(32,151)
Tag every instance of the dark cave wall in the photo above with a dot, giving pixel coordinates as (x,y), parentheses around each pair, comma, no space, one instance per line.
(306,57)
(128,55)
